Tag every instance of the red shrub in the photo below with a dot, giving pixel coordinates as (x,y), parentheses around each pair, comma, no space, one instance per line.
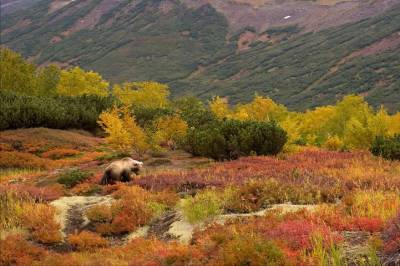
(59,153)
(297,234)
(87,241)
(15,250)
(391,236)
(48,193)
(129,211)
(14,159)
(365,224)
(39,219)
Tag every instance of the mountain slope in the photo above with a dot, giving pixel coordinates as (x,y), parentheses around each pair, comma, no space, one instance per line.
(286,49)
(314,68)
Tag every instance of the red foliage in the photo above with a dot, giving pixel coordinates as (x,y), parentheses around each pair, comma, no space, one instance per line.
(341,222)
(326,170)
(87,241)
(15,250)
(391,236)
(59,153)
(39,219)
(297,234)
(14,159)
(48,193)
(129,211)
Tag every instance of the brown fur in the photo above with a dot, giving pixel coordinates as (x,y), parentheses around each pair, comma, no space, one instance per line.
(121,171)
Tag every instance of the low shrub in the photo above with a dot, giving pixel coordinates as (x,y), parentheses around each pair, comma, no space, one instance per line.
(387,147)
(87,241)
(229,139)
(391,236)
(245,198)
(15,250)
(72,178)
(238,244)
(39,219)
(86,189)
(373,204)
(297,234)
(23,111)
(155,252)
(12,159)
(204,205)
(10,210)
(59,153)
(131,209)
(39,194)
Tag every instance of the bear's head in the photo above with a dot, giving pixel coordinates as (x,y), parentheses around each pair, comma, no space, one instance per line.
(135,165)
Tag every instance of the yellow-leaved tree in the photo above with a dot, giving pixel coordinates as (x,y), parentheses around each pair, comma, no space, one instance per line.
(170,130)
(16,74)
(261,109)
(142,94)
(123,133)
(76,81)
(394,127)
(220,107)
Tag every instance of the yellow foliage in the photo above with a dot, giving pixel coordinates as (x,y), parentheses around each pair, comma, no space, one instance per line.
(333,143)
(170,129)
(142,94)
(394,124)
(123,133)
(76,82)
(377,204)
(260,109)
(220,107)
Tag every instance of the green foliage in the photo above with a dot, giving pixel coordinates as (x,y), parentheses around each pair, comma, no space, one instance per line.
(22,111)
(76,81)
(291,29)
(229,139)
(47,80)
(307,70)
(147,115)
(16,73)
(204,205)
(148,44)
(387,147)
(72,178)
(194,112)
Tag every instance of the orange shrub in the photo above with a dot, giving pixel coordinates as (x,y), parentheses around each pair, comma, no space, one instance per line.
(130,210)
(59,153)
(15,250)
(12,159)
(86,189)
(48,193)
(157,253)
(87,241)
(39,219)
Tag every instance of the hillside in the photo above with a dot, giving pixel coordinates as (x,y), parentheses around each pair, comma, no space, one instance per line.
(300,53)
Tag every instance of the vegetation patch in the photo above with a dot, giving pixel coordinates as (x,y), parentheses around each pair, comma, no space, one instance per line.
(72,178)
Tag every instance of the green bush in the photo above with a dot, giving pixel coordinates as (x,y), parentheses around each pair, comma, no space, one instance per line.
(230,139)
(72,178)
(204,205)
(60,112)
(388,148)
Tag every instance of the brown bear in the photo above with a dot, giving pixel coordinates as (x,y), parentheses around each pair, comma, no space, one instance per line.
(121,171)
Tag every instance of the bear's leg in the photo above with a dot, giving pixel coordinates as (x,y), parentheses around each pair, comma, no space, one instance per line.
(105,179)
(125,176)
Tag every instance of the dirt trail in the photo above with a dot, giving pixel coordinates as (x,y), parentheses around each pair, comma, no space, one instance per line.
(71,211)
(173,226)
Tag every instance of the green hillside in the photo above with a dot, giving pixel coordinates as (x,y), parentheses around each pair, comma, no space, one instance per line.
(297,72)
(144,43)
(195,53)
